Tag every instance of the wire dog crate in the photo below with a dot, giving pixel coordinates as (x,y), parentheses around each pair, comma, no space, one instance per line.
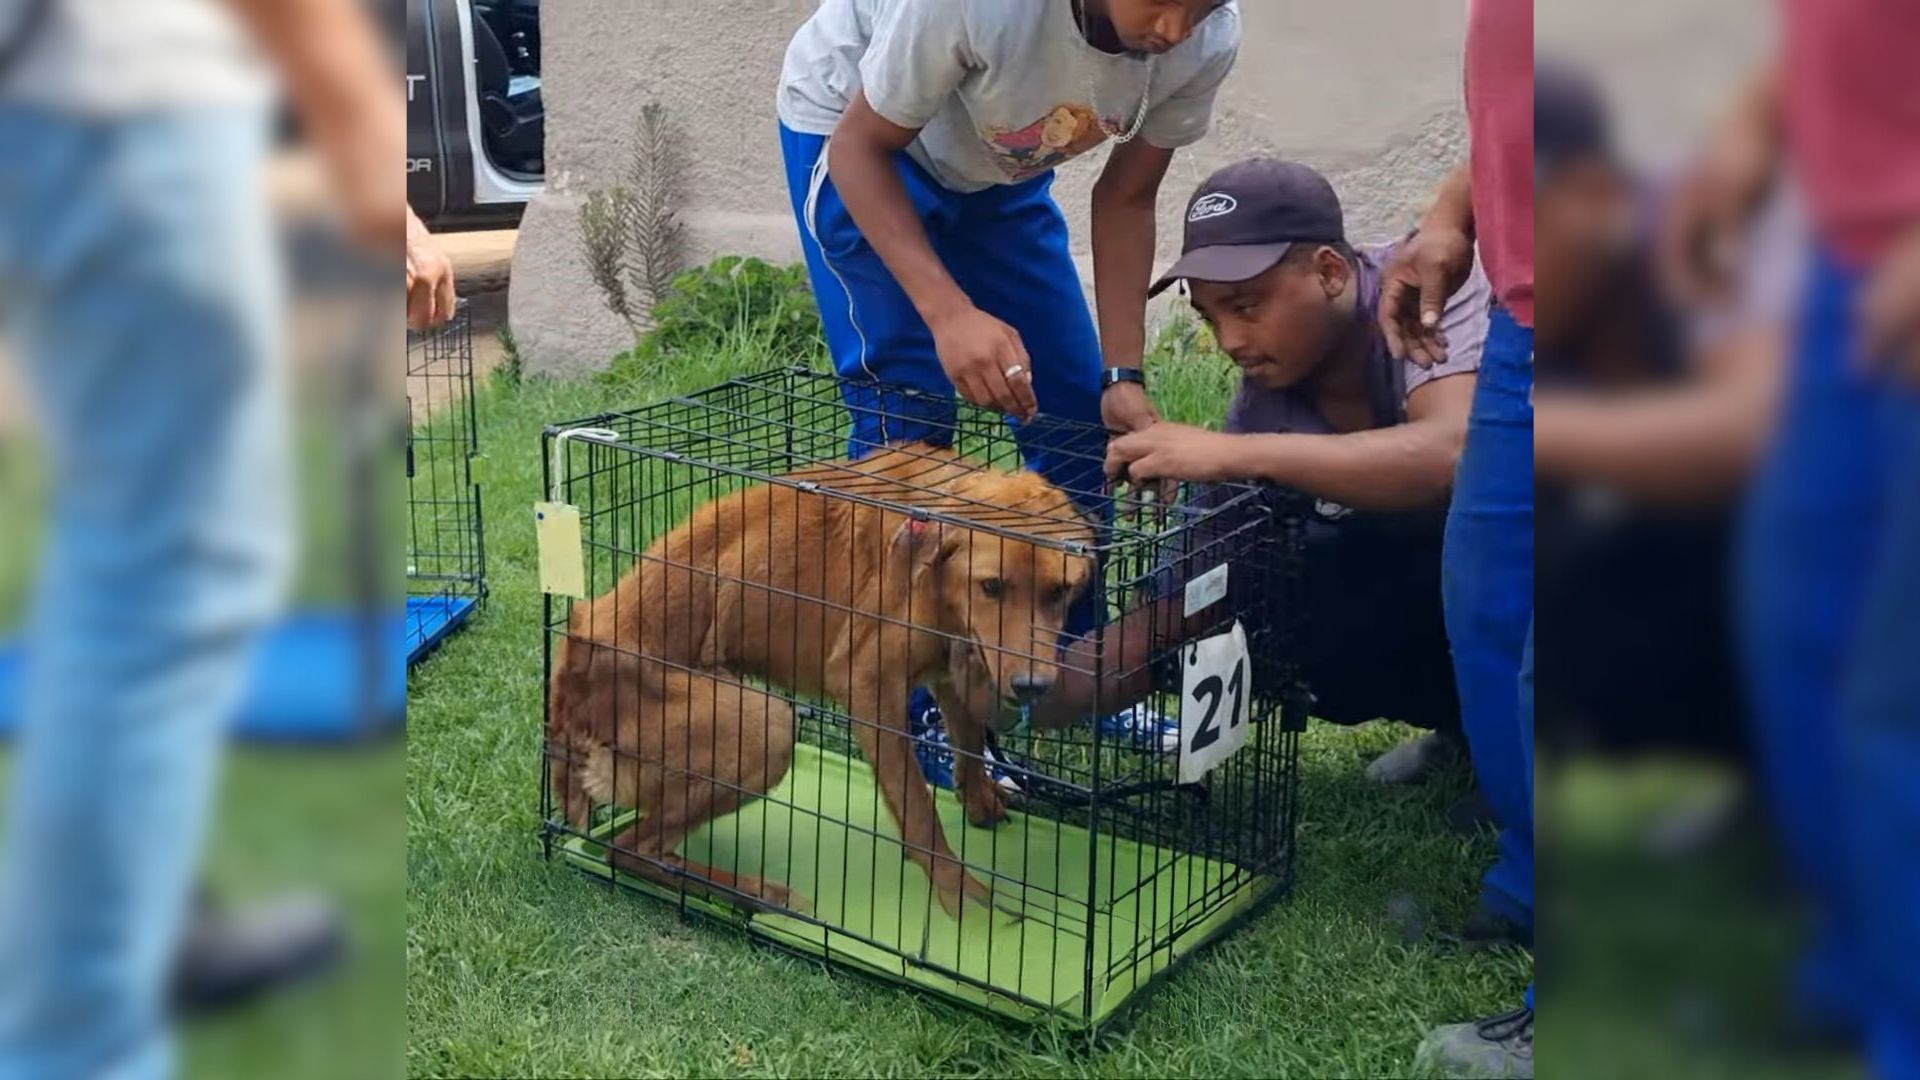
(727,715)
(446,551)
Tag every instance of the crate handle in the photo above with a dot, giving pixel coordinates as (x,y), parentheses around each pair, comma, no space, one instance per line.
(591,434)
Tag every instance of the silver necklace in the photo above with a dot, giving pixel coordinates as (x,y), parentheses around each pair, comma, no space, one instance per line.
(1086,78)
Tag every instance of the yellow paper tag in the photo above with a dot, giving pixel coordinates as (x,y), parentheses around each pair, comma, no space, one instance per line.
(563,571)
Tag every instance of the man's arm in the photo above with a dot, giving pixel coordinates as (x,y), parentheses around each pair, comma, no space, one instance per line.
(342,85)
(1402,467)
(1126,674)
(1124,200)
(1452,206)
(1678,444)
(976,349)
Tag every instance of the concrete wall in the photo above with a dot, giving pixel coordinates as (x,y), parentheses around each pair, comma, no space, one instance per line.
(1366,90)
(1668,70)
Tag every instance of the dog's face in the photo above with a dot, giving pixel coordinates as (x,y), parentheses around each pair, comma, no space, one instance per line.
(1001,601)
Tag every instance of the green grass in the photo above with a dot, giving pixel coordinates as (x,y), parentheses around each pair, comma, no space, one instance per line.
(521,967)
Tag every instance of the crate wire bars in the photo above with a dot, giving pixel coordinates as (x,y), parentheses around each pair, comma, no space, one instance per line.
(1107,869)
(446,551)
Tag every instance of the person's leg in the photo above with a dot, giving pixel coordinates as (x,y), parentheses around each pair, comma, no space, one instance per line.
(1377,643)
(874,334)
(135,265)
(1487,585)
(1879,755)
(873,331)
(1499,1045)
(1807,541)
(1009,248)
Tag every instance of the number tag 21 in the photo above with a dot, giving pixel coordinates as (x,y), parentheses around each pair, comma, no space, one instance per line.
(1215,683)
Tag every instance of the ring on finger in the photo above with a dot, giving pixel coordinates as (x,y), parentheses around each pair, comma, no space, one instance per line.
(1015,370)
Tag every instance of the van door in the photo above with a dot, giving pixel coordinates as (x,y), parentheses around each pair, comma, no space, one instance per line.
(427,164)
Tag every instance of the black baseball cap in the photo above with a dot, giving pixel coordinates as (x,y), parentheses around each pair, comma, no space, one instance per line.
(1245,217)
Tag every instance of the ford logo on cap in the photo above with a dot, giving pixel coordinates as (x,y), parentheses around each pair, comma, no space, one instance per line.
(1218,204)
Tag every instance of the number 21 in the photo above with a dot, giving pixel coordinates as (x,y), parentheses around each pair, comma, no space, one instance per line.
(1209,690)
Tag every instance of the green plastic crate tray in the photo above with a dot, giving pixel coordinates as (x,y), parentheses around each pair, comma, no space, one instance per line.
(815,834)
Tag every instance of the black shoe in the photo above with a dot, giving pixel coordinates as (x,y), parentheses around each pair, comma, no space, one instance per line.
(230,957)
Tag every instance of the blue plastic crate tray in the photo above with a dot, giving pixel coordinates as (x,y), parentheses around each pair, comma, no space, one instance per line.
(306,685)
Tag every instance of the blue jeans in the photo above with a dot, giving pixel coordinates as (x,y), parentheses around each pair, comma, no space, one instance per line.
(135,270)
(1879,751)
(1487,588)
(1829,582)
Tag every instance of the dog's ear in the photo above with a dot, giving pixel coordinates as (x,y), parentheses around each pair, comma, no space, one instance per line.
(921,545)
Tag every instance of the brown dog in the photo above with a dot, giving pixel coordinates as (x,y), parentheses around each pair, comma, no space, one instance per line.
(855,598)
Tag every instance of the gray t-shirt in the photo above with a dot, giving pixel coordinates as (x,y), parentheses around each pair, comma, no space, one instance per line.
(123,57)
(1257,410)
(1000,90)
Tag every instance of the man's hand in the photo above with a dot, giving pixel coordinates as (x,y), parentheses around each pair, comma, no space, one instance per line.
(1414,287)
(986,362)
(430,296)
(1169,451)
(1125,407)
(1890,308)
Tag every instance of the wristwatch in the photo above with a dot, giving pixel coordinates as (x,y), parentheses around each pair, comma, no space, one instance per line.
(1113,376)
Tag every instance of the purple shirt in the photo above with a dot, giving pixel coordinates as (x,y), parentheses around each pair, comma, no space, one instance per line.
(1257,410)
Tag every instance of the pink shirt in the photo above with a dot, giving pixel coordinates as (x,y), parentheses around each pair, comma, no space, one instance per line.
(1500,145)
(1851,95)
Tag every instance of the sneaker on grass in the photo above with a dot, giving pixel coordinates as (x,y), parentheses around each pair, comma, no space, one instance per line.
(1145,726)
(1414,760)
(1499,1046)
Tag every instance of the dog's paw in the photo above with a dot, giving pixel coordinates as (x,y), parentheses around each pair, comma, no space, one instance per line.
(771,895)
(955,894)
(986,804)
(779,896)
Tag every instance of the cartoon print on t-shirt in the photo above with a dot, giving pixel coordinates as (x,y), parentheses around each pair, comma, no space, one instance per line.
(1065,132)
